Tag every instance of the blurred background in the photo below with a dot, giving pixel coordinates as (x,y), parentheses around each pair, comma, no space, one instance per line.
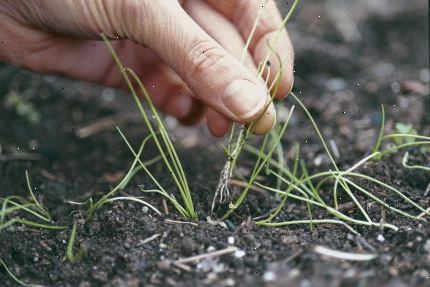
(351,57)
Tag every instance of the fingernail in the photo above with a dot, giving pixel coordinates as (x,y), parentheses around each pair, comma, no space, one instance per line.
(266,122)
(244,99)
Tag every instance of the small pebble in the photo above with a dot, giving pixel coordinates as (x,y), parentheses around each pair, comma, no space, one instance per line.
(230,240)
(230,282)
(239,253)
(269,276)
(381,238)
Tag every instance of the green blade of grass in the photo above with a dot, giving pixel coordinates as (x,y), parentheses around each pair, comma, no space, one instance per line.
(154,180)
(16,279)
(258,168)
(73,258)
(164,145)
(135,199)
(329,209)
(285,197)
(408,166)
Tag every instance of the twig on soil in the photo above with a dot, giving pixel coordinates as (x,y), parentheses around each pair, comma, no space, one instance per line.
(292,256)
(165,207)
(180,222)
(106,123)
(344,255)
(149,239)
(182,266)
(427,190)
(217,253)
(245,184)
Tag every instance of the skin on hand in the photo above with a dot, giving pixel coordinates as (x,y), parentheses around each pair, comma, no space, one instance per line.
(187,56)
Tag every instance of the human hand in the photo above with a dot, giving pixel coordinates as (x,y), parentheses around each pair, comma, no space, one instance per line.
(187,56)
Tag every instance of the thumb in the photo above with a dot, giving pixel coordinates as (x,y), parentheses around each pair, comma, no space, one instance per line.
(213,74)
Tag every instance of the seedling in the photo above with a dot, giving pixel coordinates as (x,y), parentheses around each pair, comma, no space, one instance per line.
(408,166)
(108,197)
(13,276)
(308,188)
(239,136)
(160,136)
(12,205)
(73,257)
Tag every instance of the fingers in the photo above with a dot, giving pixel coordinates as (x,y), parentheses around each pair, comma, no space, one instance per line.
(218,124)
(171,95)
(224,32)
(243,14)
(211,72)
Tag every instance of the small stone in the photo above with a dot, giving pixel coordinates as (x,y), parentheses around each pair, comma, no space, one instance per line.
(210,249)
(239,253)
(380,238)
(269,276)
(164,265)
(187,246)
(230,240)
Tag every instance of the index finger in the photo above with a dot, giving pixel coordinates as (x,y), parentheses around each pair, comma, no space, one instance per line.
(243,13)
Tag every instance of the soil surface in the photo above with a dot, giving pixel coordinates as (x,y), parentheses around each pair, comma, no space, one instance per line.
(350,59)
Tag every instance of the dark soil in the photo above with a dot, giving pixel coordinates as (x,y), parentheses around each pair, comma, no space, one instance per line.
(342,81)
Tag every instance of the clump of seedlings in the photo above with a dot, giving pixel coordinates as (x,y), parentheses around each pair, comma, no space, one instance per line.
(239,135)
(311,189)
(19,210)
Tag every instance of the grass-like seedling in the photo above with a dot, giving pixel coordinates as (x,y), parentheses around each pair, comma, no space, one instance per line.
(13,276)
(135,167)
(312,189)
(13,206)
(160,136)
(239,135)
(260,164)
(73,257)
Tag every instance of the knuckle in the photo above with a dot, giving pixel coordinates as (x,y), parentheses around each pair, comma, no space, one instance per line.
(203,57)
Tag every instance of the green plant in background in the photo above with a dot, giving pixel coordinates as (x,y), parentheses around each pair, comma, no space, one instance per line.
(405,129)
(22,107)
